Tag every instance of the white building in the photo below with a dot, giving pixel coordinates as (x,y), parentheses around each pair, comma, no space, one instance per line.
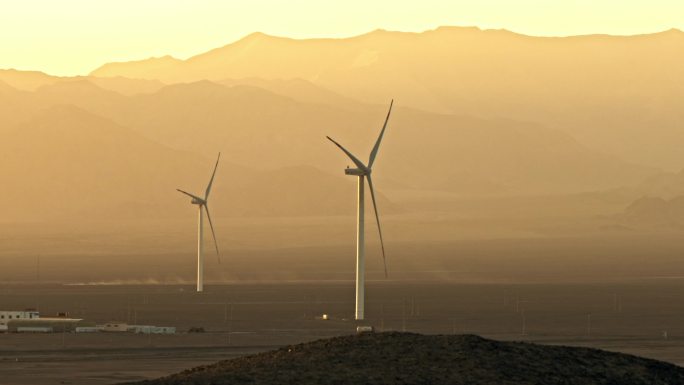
(88,329)
(121,327)
(151,329)
(8,315)
(44,325)
(115,327)
(35,329)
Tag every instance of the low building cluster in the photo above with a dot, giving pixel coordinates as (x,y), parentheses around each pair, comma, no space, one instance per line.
(30,321)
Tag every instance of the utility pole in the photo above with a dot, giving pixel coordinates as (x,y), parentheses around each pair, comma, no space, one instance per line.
(230,323)
(524,322)
(38,281)
(403,317)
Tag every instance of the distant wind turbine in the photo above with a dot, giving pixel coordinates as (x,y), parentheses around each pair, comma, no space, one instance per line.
(362,171)
(203,203)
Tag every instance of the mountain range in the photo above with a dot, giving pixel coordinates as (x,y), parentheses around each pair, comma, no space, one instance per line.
(478,113)
(621,95)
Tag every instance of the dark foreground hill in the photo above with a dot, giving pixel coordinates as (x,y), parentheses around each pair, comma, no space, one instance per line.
(405,358)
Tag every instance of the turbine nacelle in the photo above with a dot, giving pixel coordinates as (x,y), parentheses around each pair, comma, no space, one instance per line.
(195,199)
(356,171)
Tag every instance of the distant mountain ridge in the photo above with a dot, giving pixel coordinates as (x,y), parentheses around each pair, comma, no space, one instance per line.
(33,80)
(655,211)
(614,94)
(424,150)
(69,163)
(276,128)
(230,57)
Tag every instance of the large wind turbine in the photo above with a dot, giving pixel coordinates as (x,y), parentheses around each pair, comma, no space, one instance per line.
(364,171)
(202,204)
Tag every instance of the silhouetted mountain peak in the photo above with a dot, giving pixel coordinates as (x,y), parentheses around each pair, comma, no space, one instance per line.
(167,59)
(208,89)
(455,29)
(257,36)
(73,85)
(196,85)
(137,69)
(69,118)
(14,71)
(671,31)
(26,80)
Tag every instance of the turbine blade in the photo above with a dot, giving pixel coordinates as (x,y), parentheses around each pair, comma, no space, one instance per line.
(206,194)
(354,159)
(190,195)
(213,234)
(374,153)
(377,219)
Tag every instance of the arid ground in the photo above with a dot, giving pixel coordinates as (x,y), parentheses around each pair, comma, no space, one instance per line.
(625,316)
(555,280)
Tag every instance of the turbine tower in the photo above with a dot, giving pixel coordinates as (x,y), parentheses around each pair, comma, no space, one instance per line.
(202,203)
(363,172)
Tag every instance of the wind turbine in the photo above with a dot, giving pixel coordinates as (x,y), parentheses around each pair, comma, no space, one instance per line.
(202,203)
(363,172)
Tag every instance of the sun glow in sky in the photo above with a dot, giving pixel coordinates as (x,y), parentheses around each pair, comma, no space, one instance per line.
(70,37)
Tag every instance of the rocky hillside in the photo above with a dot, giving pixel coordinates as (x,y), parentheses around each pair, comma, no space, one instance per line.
(405,358)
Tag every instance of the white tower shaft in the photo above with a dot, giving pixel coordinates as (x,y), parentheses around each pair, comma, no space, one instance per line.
(362,171)
(200,251)
(360,254)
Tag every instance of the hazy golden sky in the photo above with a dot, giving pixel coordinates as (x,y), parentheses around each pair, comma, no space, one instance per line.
(68,37)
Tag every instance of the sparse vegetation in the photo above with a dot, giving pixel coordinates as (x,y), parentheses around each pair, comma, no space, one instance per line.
(405,358)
